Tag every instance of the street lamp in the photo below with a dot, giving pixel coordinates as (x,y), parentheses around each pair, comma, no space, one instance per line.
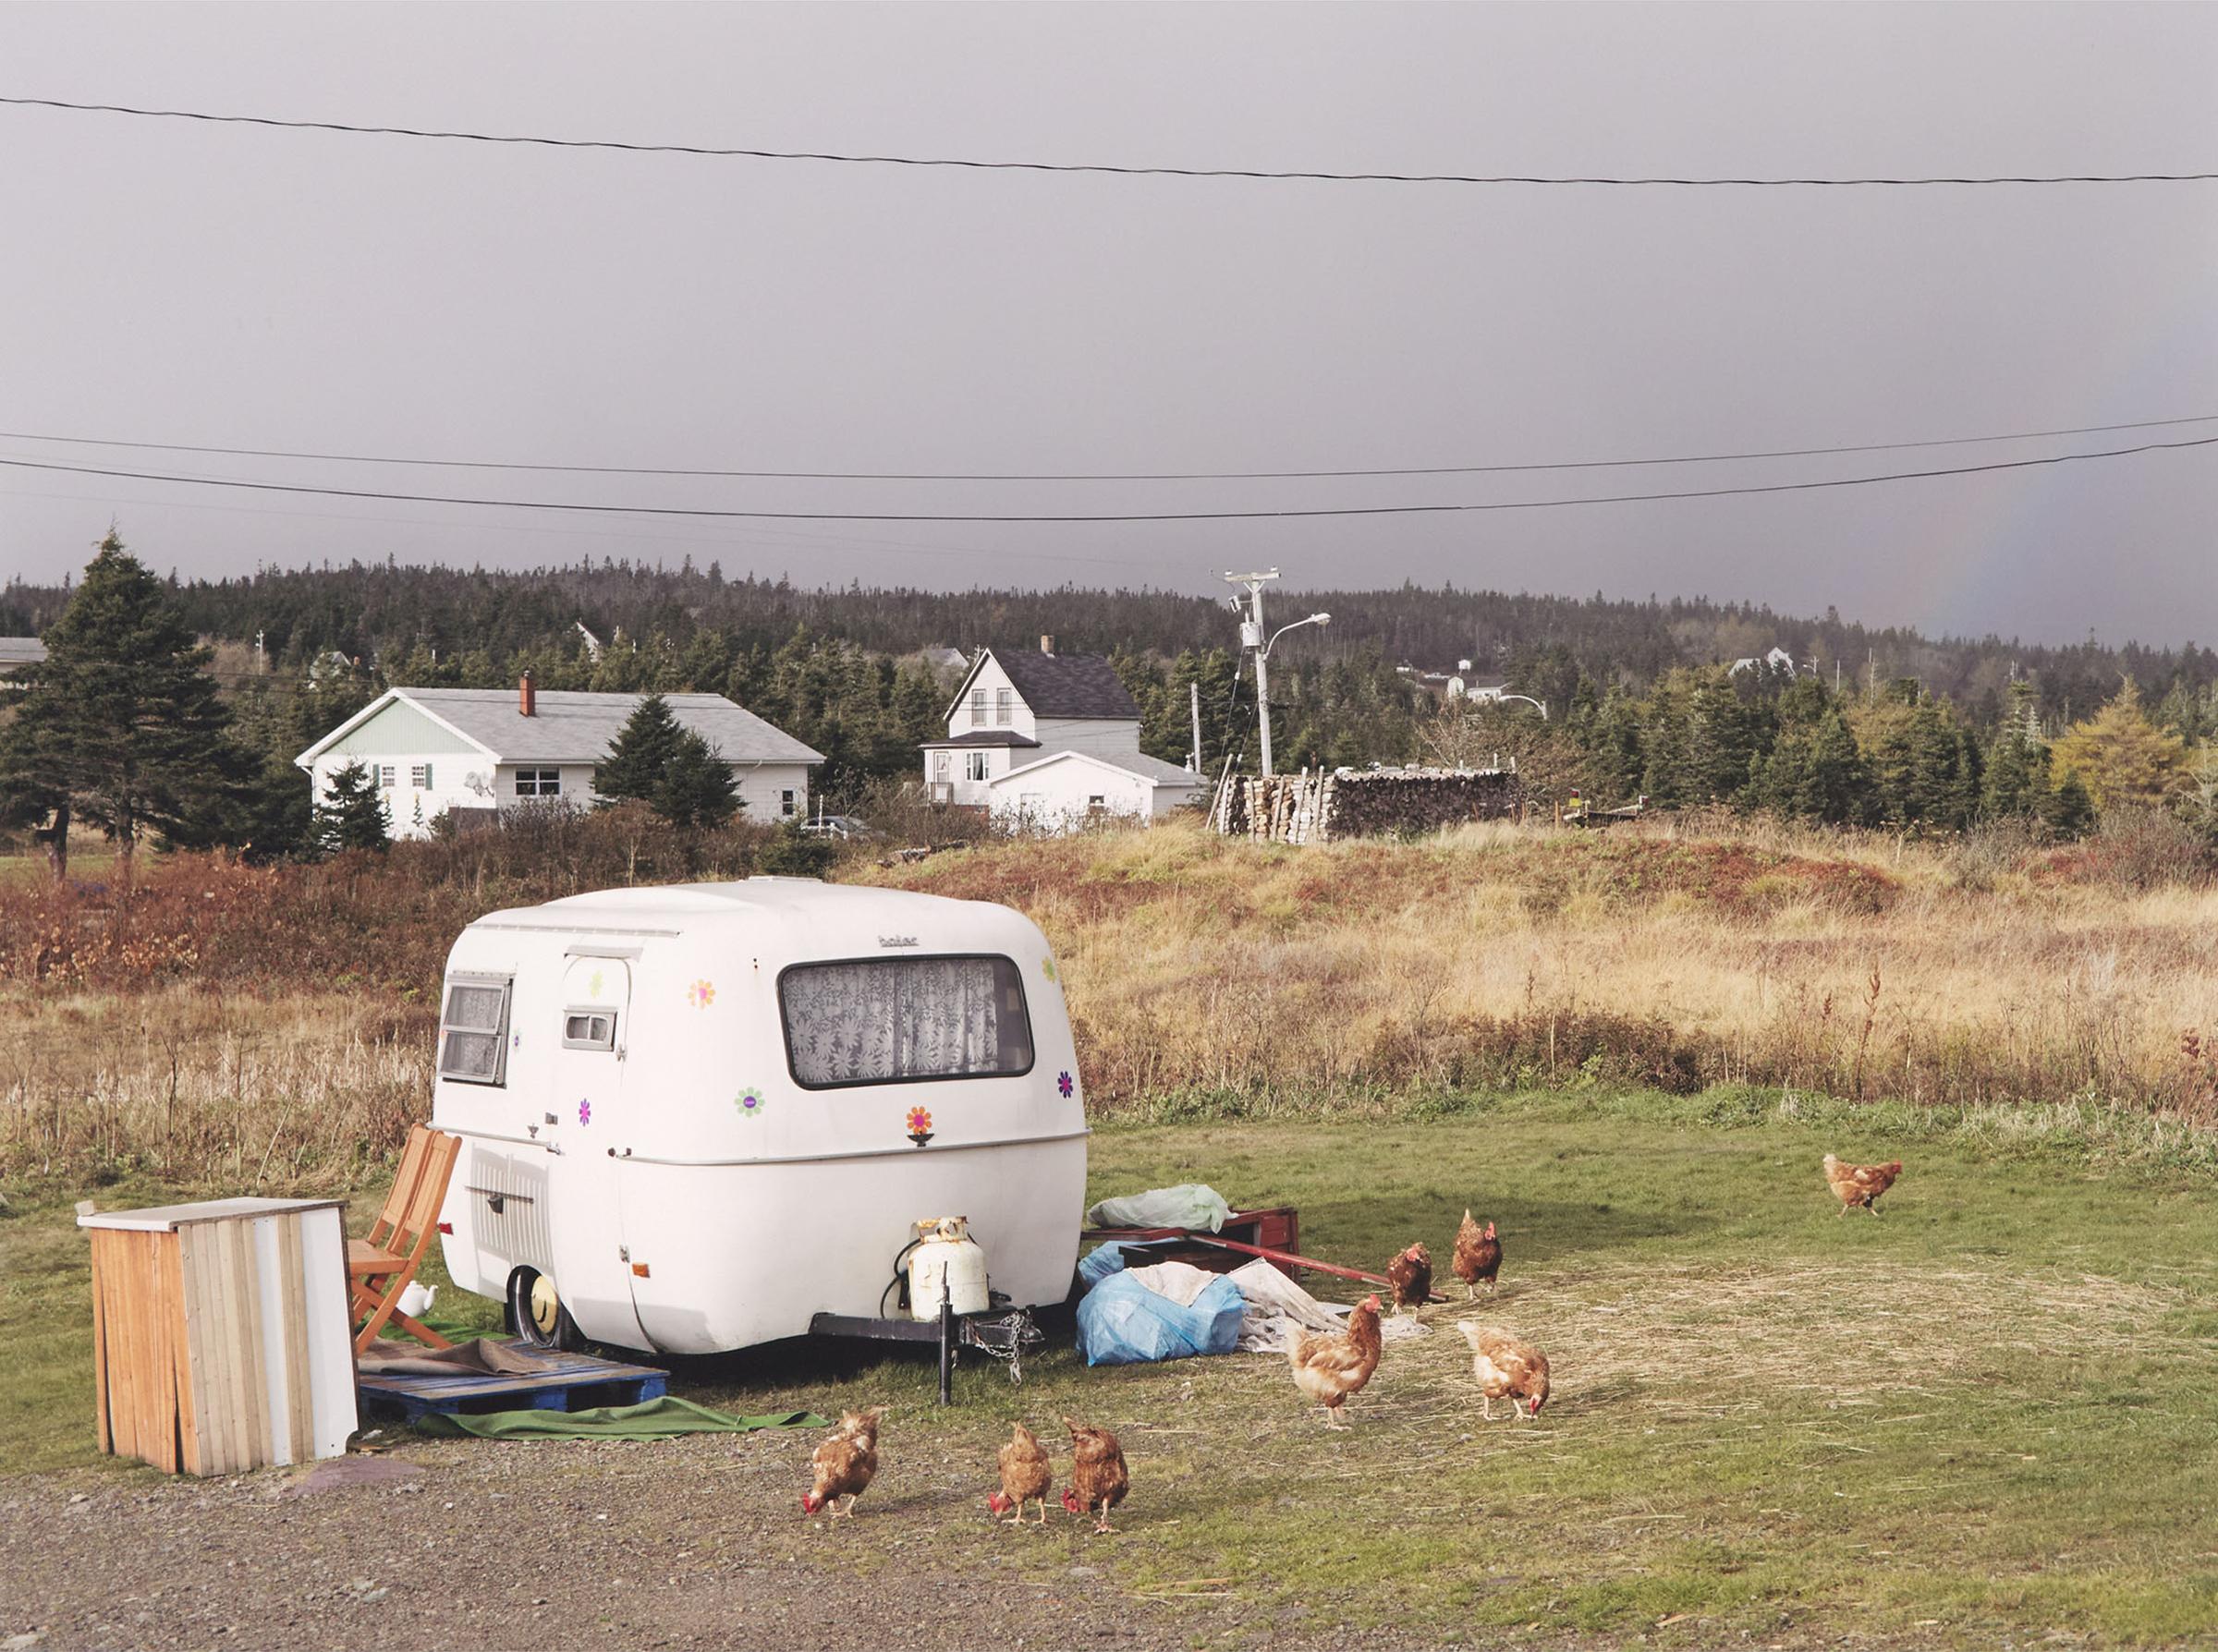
(1262,679)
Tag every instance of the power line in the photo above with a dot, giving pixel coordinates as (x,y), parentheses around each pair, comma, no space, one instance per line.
(711,152)
(1038,517)
(1032,475)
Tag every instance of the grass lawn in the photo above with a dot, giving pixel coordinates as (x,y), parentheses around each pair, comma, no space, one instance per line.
(1991,1412)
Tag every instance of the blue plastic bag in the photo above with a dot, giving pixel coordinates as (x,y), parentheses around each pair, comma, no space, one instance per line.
(1121,1322)
(1102,1261)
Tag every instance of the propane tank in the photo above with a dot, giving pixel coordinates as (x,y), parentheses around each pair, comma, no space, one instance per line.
(946,1255)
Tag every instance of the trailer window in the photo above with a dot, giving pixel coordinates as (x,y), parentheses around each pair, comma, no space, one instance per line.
(589,1029)
(473,1034)
(899,1020)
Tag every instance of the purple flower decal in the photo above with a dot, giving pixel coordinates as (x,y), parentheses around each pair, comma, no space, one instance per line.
(1067,1084)
(585,1113)
(750,1103)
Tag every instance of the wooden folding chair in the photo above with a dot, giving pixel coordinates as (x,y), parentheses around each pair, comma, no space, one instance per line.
(380,1267)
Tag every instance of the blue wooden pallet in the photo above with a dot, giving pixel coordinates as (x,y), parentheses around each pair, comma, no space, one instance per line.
(569,1379)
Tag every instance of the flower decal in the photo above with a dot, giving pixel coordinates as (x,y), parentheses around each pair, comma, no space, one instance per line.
(750,1103)
(585,1113)
(701,994)
(1067,1084)
(592,983)
(1047,968)
(920,1125)
(515,1041)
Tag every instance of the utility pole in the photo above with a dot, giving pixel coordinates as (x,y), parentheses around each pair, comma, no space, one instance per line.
(1251,636)
(1193,700)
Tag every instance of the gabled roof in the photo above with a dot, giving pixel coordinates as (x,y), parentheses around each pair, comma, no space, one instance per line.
(981,736)
(1058,685)
(1152,770)
(568,727)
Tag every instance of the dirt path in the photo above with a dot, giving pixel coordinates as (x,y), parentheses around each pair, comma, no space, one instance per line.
(467,1542)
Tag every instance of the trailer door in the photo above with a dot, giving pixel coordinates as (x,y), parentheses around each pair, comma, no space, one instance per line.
(586,1133)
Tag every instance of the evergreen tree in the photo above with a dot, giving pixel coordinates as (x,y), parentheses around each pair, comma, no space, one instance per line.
(351,815)
(120,724)
(2069,811)
(697,787)
(2120,755)
(639,760)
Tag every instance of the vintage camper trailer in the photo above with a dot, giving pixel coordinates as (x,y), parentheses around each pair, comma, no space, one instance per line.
(695,1118)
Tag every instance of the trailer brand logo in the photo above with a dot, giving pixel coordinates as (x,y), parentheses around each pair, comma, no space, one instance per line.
(896,940)
(920,1125)
(750,1103)
(701,994)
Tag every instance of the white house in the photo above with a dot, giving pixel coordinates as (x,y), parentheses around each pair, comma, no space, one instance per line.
(1777,659)
(436,749)
(1052,740)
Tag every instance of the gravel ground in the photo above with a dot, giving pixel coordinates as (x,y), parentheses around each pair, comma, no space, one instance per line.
(691,1543)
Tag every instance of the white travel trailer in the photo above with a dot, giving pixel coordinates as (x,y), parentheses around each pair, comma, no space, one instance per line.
(696,1118)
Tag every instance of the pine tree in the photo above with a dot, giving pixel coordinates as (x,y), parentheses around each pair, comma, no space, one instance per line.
(120,724)
(697,786)
(351,815)
(639,760)
(2120,755)
(2069,810)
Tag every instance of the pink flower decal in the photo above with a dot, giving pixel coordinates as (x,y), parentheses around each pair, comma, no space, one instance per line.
(920,1125)
(701,993)
(1067,1084)
(585,1113)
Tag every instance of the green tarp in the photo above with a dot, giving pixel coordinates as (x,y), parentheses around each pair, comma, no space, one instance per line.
(653,1420)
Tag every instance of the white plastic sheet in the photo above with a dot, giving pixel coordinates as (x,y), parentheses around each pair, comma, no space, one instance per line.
(1189,1206)
(1278,1310)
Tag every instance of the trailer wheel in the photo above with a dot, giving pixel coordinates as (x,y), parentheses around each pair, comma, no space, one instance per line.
(537,1312)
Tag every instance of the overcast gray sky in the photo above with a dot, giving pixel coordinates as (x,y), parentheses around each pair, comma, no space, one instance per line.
(234,285)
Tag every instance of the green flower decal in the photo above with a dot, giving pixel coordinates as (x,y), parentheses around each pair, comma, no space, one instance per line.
(750,1103)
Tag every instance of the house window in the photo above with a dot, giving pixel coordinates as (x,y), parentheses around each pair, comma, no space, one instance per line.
(785,805)
(974,765)
(420,776)
(1096,803)
(942,766)
(978,708)
(589,1029)
(473,1034)
(386,775)
(891,1020)
(1005,708)
(539,783)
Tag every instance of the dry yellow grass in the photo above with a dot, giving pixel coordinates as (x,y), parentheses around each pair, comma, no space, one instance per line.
(1501,956)
(193,1086)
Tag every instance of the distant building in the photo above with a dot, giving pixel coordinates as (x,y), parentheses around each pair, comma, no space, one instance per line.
(1778,659)
(434,750)
(16,651)
(1050,740)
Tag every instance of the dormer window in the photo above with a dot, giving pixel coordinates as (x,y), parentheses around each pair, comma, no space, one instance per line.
(978,708)
(1004,707)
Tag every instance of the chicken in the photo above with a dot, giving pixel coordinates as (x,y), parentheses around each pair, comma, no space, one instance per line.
(1506,1368)
(1331,1367)
(844,1463)
(1098,1476)
(1859,1184)
(1478,1256)
(1410,1274)
(1026,1474)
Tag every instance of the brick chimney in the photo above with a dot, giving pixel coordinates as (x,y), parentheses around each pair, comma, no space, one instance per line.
(1047,645)
(527,702)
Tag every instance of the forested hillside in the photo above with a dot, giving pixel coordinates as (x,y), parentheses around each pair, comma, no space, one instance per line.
(1876,728)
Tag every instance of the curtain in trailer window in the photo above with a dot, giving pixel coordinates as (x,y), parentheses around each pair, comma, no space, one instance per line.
(884,1020)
